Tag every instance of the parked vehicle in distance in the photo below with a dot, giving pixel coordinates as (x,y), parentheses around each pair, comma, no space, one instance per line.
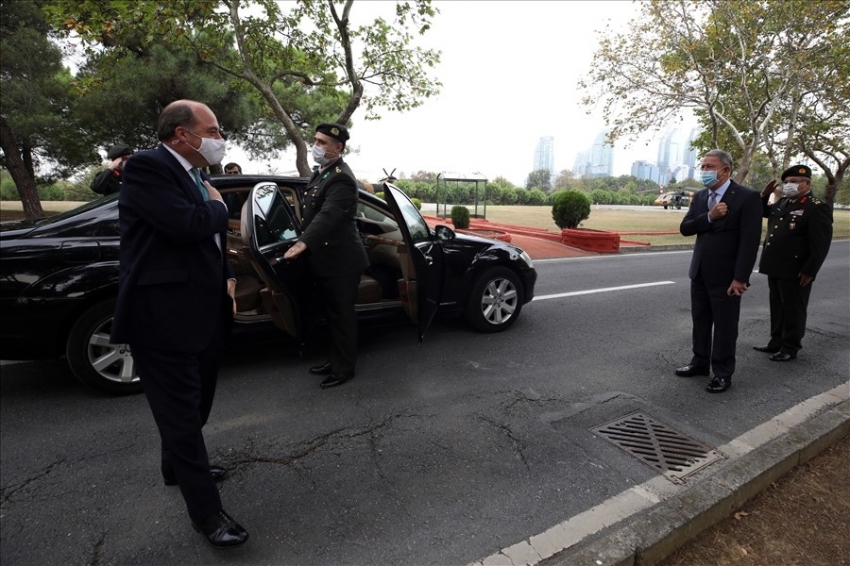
(674,199)
(59,275)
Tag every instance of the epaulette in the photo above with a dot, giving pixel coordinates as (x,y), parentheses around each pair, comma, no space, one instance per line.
(338,170)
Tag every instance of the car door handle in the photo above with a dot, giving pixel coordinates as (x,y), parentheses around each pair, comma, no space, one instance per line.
(428,259)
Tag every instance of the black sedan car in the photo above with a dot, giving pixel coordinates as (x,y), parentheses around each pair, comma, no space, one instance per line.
(59,275)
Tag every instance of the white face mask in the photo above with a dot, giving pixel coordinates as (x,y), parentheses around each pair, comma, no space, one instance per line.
(790,189)
(319,155)
(212,149)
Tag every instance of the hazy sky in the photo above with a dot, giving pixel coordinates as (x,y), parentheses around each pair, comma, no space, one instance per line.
(509,70)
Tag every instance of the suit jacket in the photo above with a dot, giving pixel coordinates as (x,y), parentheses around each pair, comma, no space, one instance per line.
(330,231)
(173,277)
(798,236)
(725,249)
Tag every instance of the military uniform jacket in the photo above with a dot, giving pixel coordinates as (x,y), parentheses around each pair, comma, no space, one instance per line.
(798,236)
(329,229)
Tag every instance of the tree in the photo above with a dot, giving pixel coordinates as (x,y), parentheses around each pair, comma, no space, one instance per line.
(570,208)
(733,63)
(565,180)
(296,56)
(540,179)
(122,93)
(33,97)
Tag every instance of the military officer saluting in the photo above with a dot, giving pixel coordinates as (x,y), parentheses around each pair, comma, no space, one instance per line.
(336,256)
(799,232)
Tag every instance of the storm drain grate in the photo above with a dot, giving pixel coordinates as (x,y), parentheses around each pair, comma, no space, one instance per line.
(669,451)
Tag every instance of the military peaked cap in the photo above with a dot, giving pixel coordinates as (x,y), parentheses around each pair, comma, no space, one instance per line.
(797,171)
(119,150)
(336,131)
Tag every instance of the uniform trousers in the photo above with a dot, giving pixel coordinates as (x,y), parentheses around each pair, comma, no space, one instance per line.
(180,387)
(339,294)
(788,305)
(715,327)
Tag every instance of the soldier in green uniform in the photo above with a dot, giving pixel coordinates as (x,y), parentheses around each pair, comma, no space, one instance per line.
(799,232)
(336,255)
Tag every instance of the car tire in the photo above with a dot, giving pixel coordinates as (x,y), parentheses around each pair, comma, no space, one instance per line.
(93,360)
(495,301)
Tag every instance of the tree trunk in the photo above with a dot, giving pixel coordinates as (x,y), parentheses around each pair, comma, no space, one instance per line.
(24,182)
(833,179)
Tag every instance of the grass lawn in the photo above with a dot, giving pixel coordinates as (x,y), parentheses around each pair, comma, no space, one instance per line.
(650,219)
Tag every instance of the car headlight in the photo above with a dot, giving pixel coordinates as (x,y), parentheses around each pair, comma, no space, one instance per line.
(526,259)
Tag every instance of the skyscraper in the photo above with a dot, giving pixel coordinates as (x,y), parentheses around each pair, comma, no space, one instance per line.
(544,155)
(668,155)
(601,157)
(645,170)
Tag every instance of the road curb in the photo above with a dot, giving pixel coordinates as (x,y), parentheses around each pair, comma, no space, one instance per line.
(653,535)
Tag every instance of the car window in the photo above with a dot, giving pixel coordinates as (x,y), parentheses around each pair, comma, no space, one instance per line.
(375,214)
(273,221)
(417,226)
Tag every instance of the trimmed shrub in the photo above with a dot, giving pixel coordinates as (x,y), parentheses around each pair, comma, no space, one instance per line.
(570,208)
(460,217)
(536,197)
(417,203)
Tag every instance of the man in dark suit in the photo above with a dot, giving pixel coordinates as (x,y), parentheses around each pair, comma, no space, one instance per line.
(726,218)
(337,257)
(175,300)
(799,232)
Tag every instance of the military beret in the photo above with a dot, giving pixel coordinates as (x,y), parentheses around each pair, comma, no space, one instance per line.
(119,150)
(336,131)
(797,171)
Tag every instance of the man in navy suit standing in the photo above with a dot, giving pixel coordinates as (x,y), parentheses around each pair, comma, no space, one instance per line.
(726,219)
(175,300)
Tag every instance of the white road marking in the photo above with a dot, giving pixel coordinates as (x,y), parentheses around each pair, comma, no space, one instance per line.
(603,290)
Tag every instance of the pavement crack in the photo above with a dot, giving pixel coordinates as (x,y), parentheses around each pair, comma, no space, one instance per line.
(6,493)
(518,445)
(97,551)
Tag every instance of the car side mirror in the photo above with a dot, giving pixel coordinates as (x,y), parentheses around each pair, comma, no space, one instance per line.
(444,233)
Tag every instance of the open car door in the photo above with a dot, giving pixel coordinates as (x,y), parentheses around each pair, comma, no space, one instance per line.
(269,228)
(422,281)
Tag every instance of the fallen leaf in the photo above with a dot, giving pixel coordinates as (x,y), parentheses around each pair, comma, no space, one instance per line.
(744,551)
(740,514)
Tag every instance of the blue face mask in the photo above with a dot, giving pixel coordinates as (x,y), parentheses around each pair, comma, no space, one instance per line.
(708,178)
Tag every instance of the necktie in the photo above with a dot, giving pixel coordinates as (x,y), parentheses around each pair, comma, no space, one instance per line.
(712,199)
(205,194)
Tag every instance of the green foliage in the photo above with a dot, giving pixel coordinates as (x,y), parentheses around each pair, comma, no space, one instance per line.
(536,197)
(764,76)
(303,61)
(570,208)
(8,191)
(540,179)
(51,192)
(417,203)
(460,217)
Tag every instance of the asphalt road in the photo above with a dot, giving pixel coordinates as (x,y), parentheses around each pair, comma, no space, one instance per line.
(440,453)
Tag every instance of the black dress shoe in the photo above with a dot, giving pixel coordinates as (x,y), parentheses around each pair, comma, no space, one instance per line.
(718,385)
(324,369)
(766,349)
(217,473)
(782,357)
(691,370)
(221,530)
(335,379)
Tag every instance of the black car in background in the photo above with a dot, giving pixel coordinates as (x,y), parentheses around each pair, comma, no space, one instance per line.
(59,275)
